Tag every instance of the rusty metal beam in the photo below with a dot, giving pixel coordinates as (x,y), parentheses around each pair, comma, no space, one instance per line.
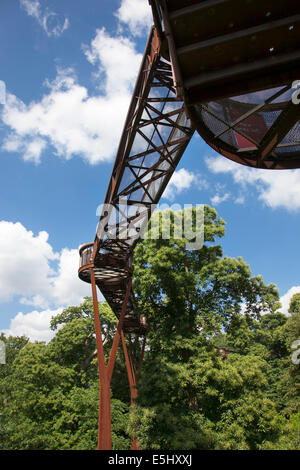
(105,372)
(237,35)
(113,352)
(104,422)
(198,7)
(283,124)
(235,71)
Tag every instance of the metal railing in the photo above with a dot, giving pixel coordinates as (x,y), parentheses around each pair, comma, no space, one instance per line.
(86,255)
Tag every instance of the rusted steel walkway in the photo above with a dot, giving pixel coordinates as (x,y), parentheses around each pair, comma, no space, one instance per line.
(156,133)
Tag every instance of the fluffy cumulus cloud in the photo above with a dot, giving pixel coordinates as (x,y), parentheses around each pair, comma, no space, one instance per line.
(218,199)
(69,120)
(33,273)
(25,261)
(35,325)
(182,180)
(286,298)
(136,15)
(67,288)
(280,188)
(116,60)
(52,23)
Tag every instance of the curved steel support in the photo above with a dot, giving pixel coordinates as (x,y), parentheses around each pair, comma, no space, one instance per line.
(105,372)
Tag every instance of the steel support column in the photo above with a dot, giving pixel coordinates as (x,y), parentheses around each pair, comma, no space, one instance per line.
(105,372)
(132,378)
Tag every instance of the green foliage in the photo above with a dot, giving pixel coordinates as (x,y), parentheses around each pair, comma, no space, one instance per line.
(291,378)
(196,302)
(50,392)
(217,372)
(295,304)
(165,427)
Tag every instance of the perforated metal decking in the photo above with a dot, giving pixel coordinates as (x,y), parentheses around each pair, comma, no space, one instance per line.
(234,64)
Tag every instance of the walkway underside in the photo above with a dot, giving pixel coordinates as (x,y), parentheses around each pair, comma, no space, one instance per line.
(235,62)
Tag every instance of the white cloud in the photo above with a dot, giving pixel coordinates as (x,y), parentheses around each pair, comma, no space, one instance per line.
(35,325)
(277,188)
(33,273)
(32,7)
(117,61)
(70,120)
(52,23)
(25,261)
(240,199)
(180,181)
(286,298)
(136,14)
(217,199)
(67,288)
(2,92)
(31,149)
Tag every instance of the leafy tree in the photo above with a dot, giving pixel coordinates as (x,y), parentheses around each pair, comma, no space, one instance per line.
(295,304)
(217,372)
(49,398)
(192,299)
(13,345)
(291,379)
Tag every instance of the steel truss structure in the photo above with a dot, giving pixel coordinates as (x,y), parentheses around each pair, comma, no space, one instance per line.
(156,133)
(225,68)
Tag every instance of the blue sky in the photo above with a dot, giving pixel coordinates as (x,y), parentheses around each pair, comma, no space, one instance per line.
(69,68)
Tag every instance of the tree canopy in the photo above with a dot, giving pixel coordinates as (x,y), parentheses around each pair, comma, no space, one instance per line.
(217,371)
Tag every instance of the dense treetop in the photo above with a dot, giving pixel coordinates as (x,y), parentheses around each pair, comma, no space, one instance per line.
(217,372)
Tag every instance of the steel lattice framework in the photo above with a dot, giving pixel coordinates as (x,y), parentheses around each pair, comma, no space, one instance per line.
(156,133)
(225,68)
